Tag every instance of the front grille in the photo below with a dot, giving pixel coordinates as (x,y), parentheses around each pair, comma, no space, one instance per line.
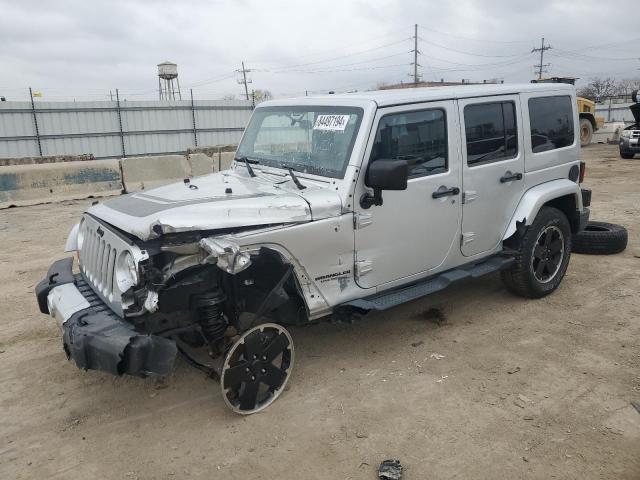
(98,262)
(99,254)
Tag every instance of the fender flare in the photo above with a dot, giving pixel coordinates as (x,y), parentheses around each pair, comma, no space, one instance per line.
(534,198)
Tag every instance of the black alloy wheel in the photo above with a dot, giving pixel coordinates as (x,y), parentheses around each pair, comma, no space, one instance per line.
(548,254)
(257,368)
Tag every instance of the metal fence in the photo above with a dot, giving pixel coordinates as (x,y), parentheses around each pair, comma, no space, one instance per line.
(114,129)
(615,112)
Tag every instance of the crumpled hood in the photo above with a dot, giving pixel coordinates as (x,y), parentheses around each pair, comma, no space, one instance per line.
(218,201)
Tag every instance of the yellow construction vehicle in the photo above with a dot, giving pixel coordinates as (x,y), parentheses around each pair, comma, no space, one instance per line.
(589,123)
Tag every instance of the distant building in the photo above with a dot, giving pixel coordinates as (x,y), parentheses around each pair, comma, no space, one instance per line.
(441,83)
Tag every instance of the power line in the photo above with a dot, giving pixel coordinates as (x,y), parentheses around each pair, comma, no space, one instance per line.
(475,39)
(541,65)
(474,54)
(286,67)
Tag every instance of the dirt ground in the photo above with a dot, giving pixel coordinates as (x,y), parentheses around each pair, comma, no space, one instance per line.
(524,389)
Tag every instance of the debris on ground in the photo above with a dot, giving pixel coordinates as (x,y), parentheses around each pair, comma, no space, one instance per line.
(390,470)
(436,356)
(522,401)
(417,344)
(513,370)
(442,379)
(636,405)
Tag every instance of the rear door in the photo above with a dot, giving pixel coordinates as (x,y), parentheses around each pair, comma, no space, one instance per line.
(492,169)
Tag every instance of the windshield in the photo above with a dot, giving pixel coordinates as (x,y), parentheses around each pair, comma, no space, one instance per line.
(316,140)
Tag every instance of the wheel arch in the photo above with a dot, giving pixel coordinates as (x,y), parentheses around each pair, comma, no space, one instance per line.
(306,291)
(562,194)
(591,117)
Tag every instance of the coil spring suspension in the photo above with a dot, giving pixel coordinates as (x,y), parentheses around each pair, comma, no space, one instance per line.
(212,319)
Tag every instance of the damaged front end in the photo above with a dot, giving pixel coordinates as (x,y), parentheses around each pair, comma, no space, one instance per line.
(135,305)
(93,335)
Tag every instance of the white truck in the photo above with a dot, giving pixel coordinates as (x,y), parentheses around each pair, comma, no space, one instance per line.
(629,142)
(334,206)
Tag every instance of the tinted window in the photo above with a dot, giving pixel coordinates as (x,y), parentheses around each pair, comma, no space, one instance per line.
(551,123)
(491,132)
(418,137)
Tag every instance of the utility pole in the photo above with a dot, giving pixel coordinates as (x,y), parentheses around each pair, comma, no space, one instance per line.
(244,80)
(415,55)
(541,65)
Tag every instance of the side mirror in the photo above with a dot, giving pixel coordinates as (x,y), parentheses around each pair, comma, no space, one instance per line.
(384,174)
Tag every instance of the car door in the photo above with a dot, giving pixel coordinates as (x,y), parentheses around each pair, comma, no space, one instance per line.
(411,232)
(492,169)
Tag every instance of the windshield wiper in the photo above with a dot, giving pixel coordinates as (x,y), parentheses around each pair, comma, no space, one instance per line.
(247,162)
(295,179)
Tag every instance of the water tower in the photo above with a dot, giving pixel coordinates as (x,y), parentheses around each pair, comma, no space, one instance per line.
(168,83)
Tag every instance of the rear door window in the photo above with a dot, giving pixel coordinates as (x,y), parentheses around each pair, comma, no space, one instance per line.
(491,132)
(551,120)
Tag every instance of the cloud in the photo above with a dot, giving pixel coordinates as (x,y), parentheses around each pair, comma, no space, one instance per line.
(83,49)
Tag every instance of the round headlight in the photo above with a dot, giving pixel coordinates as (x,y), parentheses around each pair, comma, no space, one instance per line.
(80,236)
(126,272)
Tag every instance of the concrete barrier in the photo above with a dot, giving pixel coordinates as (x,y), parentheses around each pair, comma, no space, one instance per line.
(53,182)
(49,182)
(200,164)
(225,159)
(144,173)
(608,133)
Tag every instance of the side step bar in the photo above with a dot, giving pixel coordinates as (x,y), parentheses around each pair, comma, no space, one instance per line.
(392,298)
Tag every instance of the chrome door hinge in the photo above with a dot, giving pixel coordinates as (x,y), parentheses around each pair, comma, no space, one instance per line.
(363,267)
(362,220)
(467,237)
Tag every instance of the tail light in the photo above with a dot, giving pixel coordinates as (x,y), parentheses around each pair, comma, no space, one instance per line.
(583,170)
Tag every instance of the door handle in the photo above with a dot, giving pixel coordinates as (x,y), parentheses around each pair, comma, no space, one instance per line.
(510,177)
(444,191)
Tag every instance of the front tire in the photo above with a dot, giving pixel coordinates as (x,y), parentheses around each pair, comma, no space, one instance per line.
(542,257)
(626,155)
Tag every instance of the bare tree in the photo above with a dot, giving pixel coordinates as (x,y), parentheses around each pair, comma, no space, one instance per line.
(598,88)
(627,85)
(229,96)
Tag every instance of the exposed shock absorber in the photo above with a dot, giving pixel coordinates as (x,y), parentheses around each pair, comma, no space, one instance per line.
(211,316)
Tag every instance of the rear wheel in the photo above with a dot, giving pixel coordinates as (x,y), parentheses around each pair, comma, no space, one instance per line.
(542,256)
(586,132)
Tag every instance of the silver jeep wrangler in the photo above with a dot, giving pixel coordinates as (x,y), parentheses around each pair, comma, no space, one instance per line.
(333,207)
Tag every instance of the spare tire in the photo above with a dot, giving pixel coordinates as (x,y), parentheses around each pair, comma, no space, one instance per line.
(600,238)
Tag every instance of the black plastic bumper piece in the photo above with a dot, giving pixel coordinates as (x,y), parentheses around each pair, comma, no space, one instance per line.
(97,339)
(586,197)
(584,219)
(59,273)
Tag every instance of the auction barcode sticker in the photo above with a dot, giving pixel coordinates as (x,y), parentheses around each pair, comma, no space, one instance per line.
(331,122)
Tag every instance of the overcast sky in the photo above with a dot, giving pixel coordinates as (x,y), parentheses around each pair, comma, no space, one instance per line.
(84,48)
